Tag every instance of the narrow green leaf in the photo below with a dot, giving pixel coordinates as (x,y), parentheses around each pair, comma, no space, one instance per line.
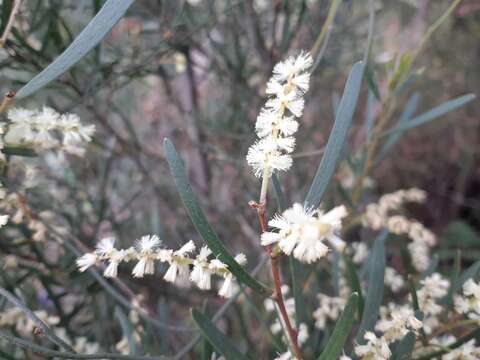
(91,35)
(334,347)
(354,282)
(455,277)
(6,10)
(404,348)
(19,151)
(277,188)
(42,350)
(127,329)
(434,113)
(318,48)
(372,83)
(471,272)
(374,297)
(200,222)
(219,341)
(475,334)
(337,137)
(406,115)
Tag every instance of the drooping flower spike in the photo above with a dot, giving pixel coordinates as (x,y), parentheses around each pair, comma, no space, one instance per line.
(148,250)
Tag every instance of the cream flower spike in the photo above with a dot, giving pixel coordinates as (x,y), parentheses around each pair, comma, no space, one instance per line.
(276,121)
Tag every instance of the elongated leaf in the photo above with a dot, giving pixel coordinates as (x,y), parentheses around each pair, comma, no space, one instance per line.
(200,222)
(434,113)
(455,278)
(374,297)
(354,282)
(38,349)
(19,151)
(277,188)
(93,33)
(404,348)
(337,137)
(407,114)
(334,347)
(127,329)
(475,334)
(471,272)
(219,341)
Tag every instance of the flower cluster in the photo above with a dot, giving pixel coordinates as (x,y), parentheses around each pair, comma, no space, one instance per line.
(329,308)
(393,279)
(434,288)
(469,303)
(148,250)
(303,231)
(378,216)
(48,130)
(376,348)
(276,122)
(395,322)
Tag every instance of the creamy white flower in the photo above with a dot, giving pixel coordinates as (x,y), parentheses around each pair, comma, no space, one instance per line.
(433,288)
(469,303)
(44,130)
(146,247)
(261,160)
(467,351)
(285,356)
(274,125)
(115,258)
(302,334)
(86,261)
(374,349)
(3,220)
(329,309)
(303,231)
(360,252)
(105,246)
(420,255)
(228,287)
(393,279)
(399,321)
(200,274)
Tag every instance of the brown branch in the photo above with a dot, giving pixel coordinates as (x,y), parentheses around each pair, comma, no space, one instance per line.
(9,25)
(277,294)
(7,100)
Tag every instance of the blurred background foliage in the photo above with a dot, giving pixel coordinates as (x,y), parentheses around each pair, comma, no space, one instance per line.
(195,72)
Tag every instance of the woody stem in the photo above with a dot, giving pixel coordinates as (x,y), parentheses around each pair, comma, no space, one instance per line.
(277,294)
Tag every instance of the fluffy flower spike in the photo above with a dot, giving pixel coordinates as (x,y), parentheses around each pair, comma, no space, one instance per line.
(276,122)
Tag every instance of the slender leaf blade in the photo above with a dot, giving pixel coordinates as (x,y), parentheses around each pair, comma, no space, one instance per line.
(200,222)
(471,272)
(337,137)
(90,36)
(354,281)
(406,115)
(434,113)
(374,297)
(334,347)
(219,341)
(404,348)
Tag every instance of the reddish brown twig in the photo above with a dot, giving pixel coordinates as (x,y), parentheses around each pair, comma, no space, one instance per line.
(7,100)
(9,25)
(277,295)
